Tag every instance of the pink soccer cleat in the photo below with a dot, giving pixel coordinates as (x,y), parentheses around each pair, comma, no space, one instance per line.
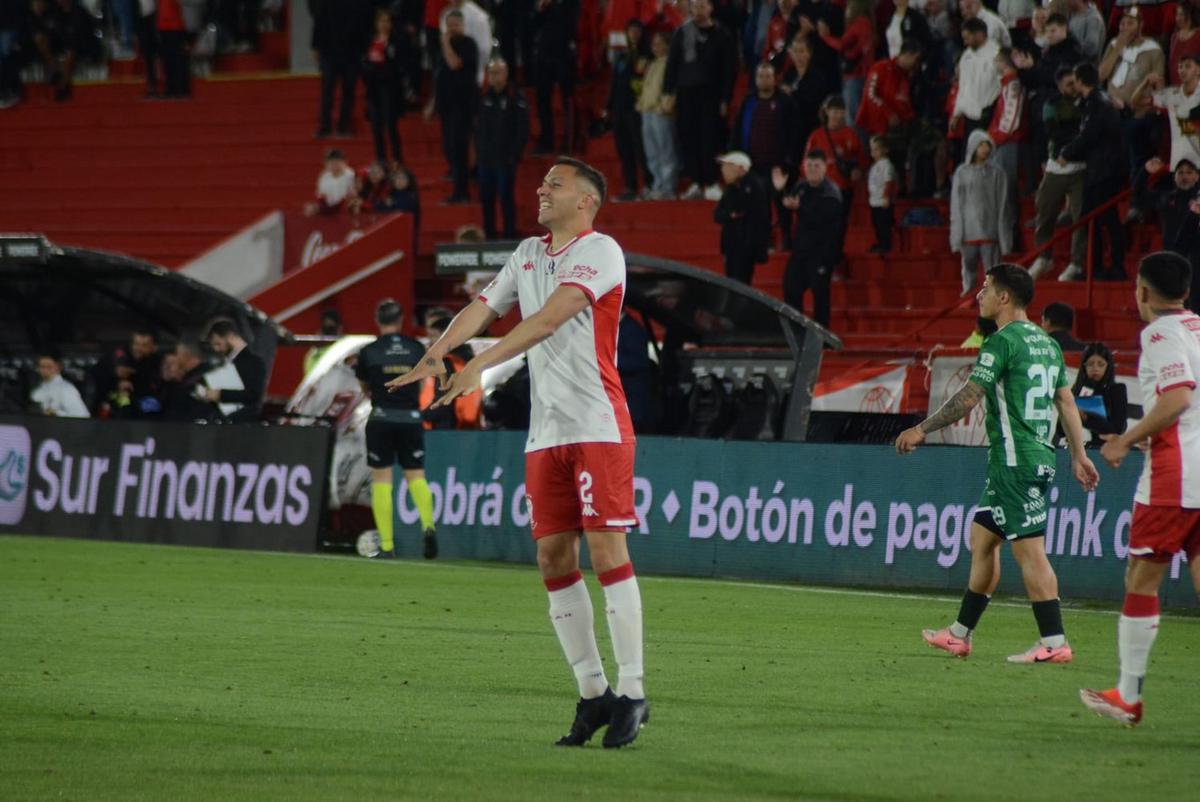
(1041,653)
(944,639)
(1110,705)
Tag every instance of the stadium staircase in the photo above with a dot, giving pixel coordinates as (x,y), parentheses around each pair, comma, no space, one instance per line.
(165,180)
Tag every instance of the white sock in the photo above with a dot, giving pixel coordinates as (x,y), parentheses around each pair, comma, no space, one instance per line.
(571,614)
(1054,641)
(959,630)
(623,607)
(1135,637)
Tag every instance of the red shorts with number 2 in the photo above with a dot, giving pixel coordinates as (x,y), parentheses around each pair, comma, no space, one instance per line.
(1158,533)
(580,487)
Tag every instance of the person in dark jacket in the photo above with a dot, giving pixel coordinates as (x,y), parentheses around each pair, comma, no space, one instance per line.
(180,402)
(744,214)
(1100,145)
(628,67)
(381,77)
(455,98)
(341,31)
(499,144)
(701,68)
(1058,320)
(227,342)
(1178,203)
(1108,410)
(765,126)
(554,24)
(818,207)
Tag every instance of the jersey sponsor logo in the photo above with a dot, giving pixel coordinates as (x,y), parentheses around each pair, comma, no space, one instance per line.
(1174,370)
(1034,492)
(527,266)
(986,359)
(986,374)
(581,272)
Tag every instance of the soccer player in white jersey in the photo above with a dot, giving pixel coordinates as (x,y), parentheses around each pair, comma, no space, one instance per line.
(1166,510)
(570,285)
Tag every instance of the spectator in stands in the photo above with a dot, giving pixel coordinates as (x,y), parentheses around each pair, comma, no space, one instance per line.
(55,396)
(381,78)
(765,126)
(1058,319)
(336,185)
(855,49)
(1038,66)
(372,187)
(174,50)
(980,214)
(181,398)
(341,33)
(1015,14)
(1062,181)
(478,27)
(1181,104)
(1178,205)
(628,68)
(227,342)
(888,111)
(818,207)
(1086,26)
(127,374)
(1098,143)
(658,135)
(1103,401)
(994,31)
(456,101)
(806,83)
(331,326)
(1008,130)
(12,21)
(61,35)
(781,29)
(1128,60)
(146,29)
(978,81)
(906,23)
(844,154)
(882,188)
(701,68)
(1184,41)
(662,16)
(407,18)
(238,24)
(744,214)
(499,145)
(554,25)
(403,196)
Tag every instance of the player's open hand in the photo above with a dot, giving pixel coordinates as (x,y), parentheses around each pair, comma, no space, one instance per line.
(1113,451)
(464,382)
(429,366)
(909,439)
(1085,473)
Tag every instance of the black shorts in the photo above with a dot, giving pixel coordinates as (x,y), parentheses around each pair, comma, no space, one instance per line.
(389,442)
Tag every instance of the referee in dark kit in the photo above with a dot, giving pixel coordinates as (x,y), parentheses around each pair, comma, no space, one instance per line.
(395,432)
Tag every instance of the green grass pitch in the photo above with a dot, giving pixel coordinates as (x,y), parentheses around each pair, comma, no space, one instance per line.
(132,672)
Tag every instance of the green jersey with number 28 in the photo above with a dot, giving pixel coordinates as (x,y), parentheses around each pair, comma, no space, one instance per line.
(1021,368)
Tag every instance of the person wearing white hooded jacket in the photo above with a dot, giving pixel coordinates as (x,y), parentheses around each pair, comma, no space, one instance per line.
(981,223)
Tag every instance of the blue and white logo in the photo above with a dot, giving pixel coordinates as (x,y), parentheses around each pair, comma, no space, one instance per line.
(14,473)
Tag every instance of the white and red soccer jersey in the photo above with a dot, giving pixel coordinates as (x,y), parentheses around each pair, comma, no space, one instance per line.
(575,388)
(1171,358)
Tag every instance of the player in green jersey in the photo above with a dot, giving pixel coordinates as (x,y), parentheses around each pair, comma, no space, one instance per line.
(1020,372)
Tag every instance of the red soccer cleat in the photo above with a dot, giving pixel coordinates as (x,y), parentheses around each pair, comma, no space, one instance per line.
(1110,705)
(945,640)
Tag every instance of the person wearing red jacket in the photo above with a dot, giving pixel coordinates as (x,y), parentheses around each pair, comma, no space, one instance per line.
(887,107)
(173,47)
(844,155)
(856,49)
(1008,128)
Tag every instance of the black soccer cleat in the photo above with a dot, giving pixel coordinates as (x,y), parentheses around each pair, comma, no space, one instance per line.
(590,715)
(384,555)
(628,718)
(431,549)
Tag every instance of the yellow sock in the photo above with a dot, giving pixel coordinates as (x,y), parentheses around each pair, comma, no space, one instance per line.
(422,496)
(381,507)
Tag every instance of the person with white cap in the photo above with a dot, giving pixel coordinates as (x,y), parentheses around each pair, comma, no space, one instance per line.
(744,214)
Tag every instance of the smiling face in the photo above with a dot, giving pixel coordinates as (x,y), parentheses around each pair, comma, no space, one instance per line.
(562,196)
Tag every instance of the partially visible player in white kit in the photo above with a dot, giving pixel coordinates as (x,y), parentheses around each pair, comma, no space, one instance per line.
(1166,510)
(579,456)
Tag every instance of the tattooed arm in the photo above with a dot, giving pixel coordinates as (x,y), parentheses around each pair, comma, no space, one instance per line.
(953,410)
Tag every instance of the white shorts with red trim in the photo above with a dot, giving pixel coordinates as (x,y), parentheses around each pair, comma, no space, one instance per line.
(580,487)
(1158,533)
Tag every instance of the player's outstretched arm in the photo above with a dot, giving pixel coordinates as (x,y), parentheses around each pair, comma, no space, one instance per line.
(954,410)
(470,322)
(1167,409)
(563,304)
(1081,465)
